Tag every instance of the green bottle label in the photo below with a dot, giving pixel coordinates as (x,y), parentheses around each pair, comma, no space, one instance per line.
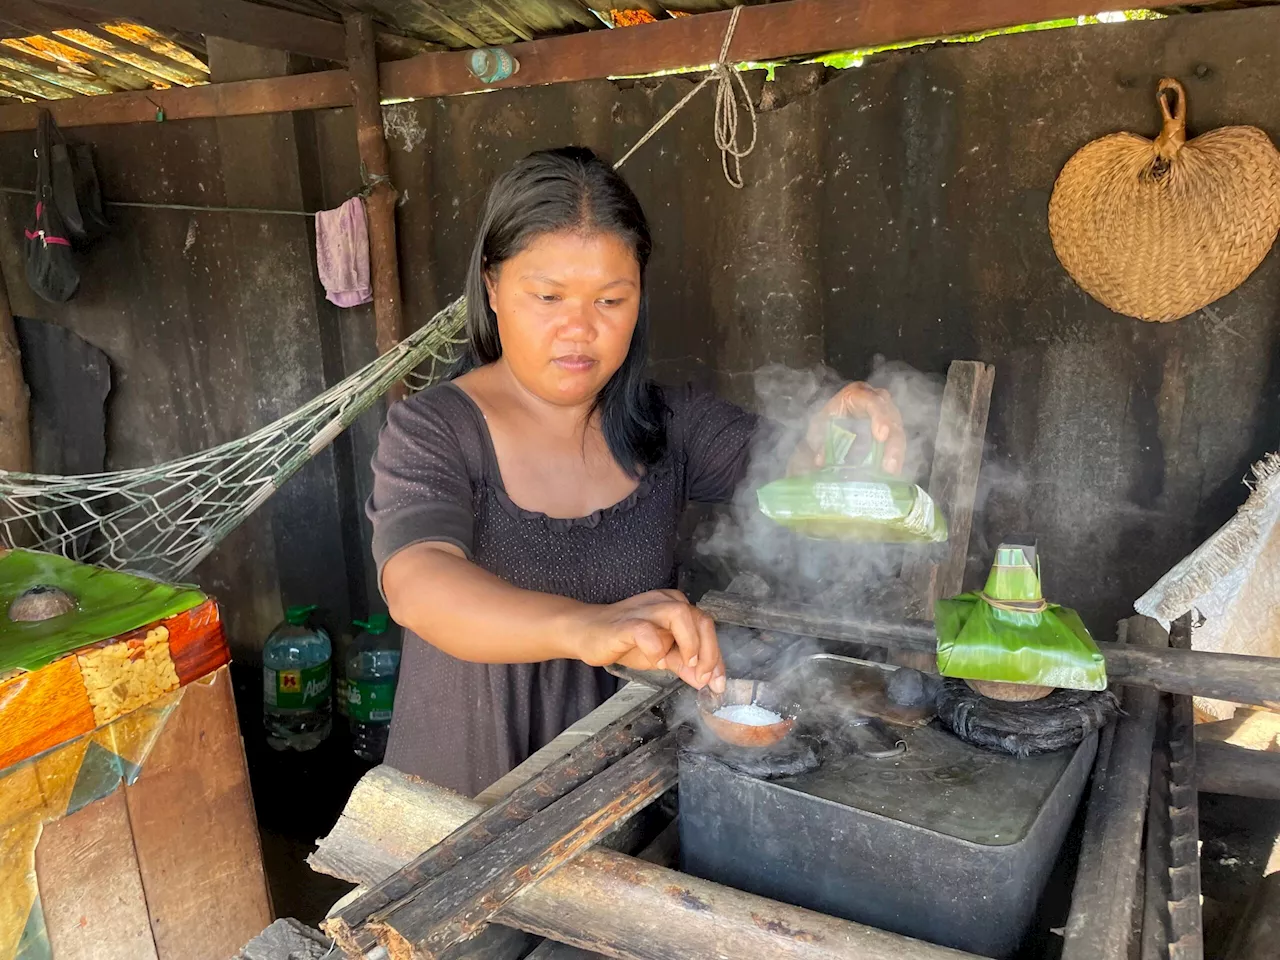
(369,701)
(303,689)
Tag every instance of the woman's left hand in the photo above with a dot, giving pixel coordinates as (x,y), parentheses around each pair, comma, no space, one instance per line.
(858,401)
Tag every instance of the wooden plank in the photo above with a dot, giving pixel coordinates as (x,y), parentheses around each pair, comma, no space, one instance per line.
(42,709)
(775,30)
(953,481)
(205,887)
(1099,926)
(90,886)
(384,258)
(1182,813)
(457,904)
(15,417)
(308,91)
(1220,676)
(572,772)
(620,707)
(625,907)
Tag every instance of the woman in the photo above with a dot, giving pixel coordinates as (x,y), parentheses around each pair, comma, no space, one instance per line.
(525,512)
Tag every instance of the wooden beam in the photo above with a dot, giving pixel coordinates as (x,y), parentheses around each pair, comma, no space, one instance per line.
(604,901)
(953,482)
(384,259)
(306,91)
(1103,902)
(769,31)
(1239,771)
(765,32)
(1219,676)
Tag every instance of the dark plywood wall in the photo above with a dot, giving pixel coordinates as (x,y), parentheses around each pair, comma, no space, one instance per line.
(898,210)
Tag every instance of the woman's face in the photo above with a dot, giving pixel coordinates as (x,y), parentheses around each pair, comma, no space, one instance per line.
(566,306)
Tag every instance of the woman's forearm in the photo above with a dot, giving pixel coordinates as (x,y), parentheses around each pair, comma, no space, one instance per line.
(473,615)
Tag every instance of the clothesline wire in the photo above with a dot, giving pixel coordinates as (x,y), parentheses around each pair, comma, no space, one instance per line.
(179,206)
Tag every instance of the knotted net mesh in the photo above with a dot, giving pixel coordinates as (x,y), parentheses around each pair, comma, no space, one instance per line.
(163,520)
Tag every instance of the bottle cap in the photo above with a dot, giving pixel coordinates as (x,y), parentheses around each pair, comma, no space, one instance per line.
(376,624)
(298,616)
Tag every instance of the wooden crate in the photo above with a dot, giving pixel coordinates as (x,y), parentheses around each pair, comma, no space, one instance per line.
(127,827)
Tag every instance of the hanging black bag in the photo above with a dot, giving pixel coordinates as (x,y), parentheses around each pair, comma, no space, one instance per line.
(52,269)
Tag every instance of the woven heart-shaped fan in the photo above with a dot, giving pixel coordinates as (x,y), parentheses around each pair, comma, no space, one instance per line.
(1158,229)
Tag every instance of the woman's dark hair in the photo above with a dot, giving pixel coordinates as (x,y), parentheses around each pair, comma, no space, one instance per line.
(570,189)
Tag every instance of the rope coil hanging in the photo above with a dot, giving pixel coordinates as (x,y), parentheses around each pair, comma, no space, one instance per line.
(728,108)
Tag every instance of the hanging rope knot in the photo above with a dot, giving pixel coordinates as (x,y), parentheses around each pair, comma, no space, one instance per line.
(731,101)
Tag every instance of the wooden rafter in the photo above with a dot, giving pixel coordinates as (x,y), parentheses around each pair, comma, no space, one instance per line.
(239,20)
(765,32)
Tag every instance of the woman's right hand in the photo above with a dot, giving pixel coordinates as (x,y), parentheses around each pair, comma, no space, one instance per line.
(663,628)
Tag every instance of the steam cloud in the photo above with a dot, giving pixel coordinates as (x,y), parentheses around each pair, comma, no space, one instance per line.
(768,558)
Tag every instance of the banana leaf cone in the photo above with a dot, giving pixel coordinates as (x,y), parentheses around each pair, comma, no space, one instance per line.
(1007,633)
(844,502)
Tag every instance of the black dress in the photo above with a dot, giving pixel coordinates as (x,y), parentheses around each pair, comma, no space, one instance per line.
(463,725)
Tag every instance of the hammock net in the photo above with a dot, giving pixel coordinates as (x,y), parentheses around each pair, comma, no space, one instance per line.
(164,520)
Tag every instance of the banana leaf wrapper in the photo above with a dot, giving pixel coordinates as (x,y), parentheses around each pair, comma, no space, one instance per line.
(840,503)
(980,640)
(862,503)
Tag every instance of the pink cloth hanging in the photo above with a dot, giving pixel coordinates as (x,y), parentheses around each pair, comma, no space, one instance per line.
(342,253)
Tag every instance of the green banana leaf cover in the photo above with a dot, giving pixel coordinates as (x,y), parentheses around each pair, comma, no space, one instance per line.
(861,503)
(1008,633)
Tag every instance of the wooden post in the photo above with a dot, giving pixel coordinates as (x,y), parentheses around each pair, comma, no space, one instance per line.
(15,413)
(953,482)
(1104,899)
(384,262)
